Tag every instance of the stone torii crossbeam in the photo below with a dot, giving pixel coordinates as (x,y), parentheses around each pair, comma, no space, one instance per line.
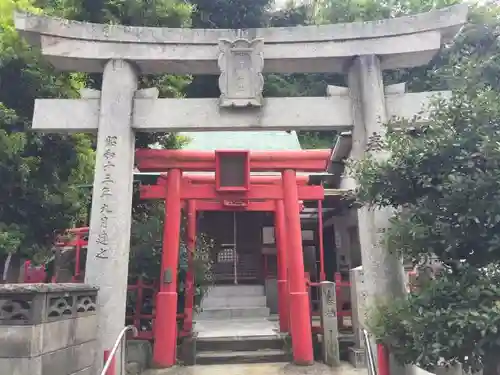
(360,50)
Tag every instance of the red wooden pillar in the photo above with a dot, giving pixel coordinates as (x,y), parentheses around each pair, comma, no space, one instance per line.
(166,301)
(280,238)
(191,247)
(300,315)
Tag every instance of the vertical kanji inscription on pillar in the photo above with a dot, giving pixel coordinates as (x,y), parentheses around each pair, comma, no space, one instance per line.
(106,192)
(241,82)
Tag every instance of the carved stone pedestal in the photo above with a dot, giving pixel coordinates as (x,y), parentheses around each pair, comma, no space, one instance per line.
(357,357)
(331,355)
(48,329)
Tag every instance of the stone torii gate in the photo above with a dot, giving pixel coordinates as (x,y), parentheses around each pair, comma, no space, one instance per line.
(360,50)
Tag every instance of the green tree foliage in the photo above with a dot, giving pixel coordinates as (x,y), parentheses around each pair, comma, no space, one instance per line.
(38,173)
(223,14)
(443,181)
(159,13)
(446,323)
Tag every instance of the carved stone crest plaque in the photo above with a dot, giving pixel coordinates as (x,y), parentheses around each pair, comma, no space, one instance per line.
(241,81)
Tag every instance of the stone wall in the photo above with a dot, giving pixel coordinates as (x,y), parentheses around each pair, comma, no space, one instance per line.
(48,329)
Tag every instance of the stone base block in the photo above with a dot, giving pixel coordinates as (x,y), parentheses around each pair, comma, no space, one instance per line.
(357,357)
(48,329)
(187,351)
(139,355)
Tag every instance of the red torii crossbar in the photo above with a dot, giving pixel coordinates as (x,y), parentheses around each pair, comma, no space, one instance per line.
(209,192)
(204,161)
(259,179)
(155,192)
(286,162)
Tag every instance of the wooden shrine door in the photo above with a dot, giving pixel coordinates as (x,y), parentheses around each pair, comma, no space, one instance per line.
(250,266)
(237,244)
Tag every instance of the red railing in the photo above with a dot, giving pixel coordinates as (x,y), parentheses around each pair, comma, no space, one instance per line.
(33,274)
(140,307)
(141,295)
(141,311)
(79,241)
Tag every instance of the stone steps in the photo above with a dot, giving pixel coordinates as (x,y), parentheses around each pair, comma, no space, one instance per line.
(248,343)
(235,291)
(224,302)
(249,349)
(229,357)
(233,312)
(234,301)
(233,328)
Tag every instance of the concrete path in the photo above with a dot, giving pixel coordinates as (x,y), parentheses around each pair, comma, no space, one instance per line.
(260,369)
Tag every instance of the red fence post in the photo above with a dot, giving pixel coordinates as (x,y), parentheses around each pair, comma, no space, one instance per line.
(281,279)
(112,367)
(190,286)
(383,360)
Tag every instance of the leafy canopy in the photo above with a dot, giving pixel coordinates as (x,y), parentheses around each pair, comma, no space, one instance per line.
(38,172)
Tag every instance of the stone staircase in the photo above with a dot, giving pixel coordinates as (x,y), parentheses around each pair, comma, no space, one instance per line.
(234,327)
(234,302)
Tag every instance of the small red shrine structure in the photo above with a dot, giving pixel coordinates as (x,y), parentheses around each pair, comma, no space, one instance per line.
(234,188)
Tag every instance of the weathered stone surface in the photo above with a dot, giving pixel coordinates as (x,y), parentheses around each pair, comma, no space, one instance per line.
(109,239)
(139,355)
(34,340)
(69,360)
(29,304)
(241,82)
(261,369)
(358,305)
(382,270)
(85,371)
(271,288)
(401,42)
(20,341)
(170,114)
(60,336)
(357,357)
(331,353)
(45,288)
(21,366)
(133,368)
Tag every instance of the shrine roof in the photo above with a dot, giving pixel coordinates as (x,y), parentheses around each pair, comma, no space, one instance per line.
(243,140)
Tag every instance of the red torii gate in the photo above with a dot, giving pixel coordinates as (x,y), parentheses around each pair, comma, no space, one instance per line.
(192,207)
(234,195)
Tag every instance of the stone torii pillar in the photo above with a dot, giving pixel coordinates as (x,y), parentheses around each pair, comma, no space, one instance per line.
(110,220)
(110,113)
(373,105)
